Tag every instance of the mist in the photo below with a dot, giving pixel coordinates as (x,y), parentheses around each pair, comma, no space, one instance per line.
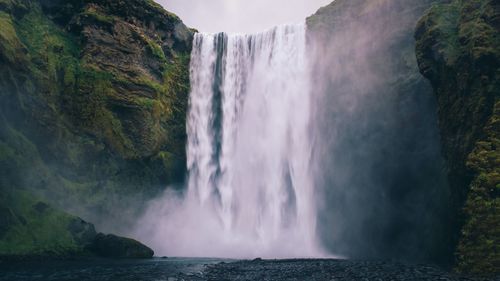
(381,178)
(241,16)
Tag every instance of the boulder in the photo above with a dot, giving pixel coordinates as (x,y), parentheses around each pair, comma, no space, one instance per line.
(112,246)
(83,232)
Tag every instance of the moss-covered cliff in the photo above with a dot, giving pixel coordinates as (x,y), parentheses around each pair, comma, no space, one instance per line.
(459,51)
(93,101)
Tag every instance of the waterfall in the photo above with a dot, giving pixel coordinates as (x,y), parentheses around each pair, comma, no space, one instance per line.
(374,181)
(250,191)
(249,188)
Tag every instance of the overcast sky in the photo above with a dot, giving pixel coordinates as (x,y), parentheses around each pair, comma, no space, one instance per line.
(241,16)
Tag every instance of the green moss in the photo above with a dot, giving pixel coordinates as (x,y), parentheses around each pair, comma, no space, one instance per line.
(479,248)
(98,16)
(176,76)
(87,88)
(79,132)
(146,103)
(18,153)
(478,35)
(152,84)
(441,21)
(36,228)
(175,73)
(168,160)
(52,51)
(156,50)
(457,50)
(10,45)
(42,36)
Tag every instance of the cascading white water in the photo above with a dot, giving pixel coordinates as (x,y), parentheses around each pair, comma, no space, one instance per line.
(250,191)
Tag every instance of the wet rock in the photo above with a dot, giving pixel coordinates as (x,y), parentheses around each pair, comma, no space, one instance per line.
(112,246)
(83,232)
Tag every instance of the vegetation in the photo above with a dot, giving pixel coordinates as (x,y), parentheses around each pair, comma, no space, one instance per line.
(457,50)
(31,227)
(85,126)
(98,16)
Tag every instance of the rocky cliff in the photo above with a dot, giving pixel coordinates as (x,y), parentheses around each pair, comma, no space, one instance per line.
(365,60)
(93,101)
(458,51)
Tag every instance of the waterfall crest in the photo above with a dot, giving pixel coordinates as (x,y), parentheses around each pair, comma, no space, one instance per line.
(250,191)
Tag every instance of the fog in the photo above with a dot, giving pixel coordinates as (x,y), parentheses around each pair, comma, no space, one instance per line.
(377,161)
(241,16)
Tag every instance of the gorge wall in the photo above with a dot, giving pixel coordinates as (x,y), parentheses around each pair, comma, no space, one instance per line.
(93,98)
(366,62)
(458,51)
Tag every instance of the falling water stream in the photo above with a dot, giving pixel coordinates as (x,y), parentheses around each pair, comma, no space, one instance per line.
(250,191)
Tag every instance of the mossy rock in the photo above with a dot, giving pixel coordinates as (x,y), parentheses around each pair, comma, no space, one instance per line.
(457,49)
(112,246)
(30,227)
(93,94)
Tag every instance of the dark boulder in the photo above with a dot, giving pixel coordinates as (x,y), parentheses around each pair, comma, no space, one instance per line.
(83,232)
(112,246)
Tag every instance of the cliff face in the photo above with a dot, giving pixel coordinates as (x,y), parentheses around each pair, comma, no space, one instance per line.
(458,51)
(383,186)
(93,101)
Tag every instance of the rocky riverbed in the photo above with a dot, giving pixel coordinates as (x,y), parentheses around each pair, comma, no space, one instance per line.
(220,270)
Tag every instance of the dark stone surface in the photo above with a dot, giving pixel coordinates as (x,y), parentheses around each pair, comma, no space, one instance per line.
(113,246)
(220,270)
(326,270)
(83,232)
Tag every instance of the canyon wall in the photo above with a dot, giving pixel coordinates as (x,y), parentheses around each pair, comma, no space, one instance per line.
(458,51)
(93,102)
